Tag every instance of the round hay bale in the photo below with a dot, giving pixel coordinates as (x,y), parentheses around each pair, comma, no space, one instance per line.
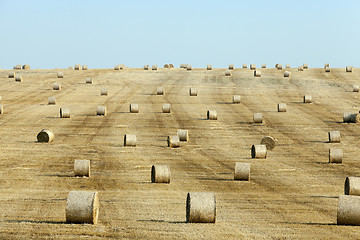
(166,108)
(228,73)
(82,168)
(356,88)
(130,140)
(134,108)
(352,186)
(160,174)
(154,67)
(257,73)
(212,115)
(209,67)
(146,67)
(70,68)
(348,212)
(269,142)
(51,100)
(56,86)
(117,67)
(242,171)
(351,117)
(200,207)
(183,135)
(258,117)
(281,107)
(258,151)
(166,66)
(82,207)
(287,74)
(101,111)
(88,80)
(183,65)
(287,66)
(84,67)
(335,155)
(188,67)
(173,141)
(1,109)
(244,66)
(306,66)
(252,67)
(193,91)
(64,113)
(263,65)
(122,66)
(327,69)
(18,67)
(279,67)
(171,65)
(25,67)
(231,66)
(326,65)
(349,68)
(300,68)
(160,91)
(334,136)
(307,99)
(60,75)
(104,92)
(346,117)
(18,78)
(11,74)
(236,99)
(77,67)
(45,135)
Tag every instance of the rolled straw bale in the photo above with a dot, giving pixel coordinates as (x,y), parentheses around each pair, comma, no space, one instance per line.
(1,109)
(166,108)
(183,134)
(130,140)
(18,67)
(348,212)
(349,68)
(88,80)
(287,66)
(26,67)
(326,65)
(209,67)
(346,117)
(306,66)
(281,107)
(212,115)
(263,65)
(77,67)
(82,168)
(160,174)
(287,74)
(351,117)
(171,65)
(242,171)
(189,67)
(258,117)
(193,91)
(200,207)
(70,67)
(258,151)
(257,73)
(327,69)
(269,142)
(352,186)
(84,67)
(56,86)
(173,141)
(104,92)
(356,88)
(82,207)
(307,99)
(335,155)
(166,66)
(146,67)
(154,67)
(64,113)
(236,99)
(12,74)
(279,66)
(45,135)
(122,66)
(183,65)
(101,111)
(18,78)
(300,68)
(231,66)
(51,100)
(60,75)
(228,73)
(334,136)
(117,67)
(252,66)
(160,91)
(134,108)
(244,66)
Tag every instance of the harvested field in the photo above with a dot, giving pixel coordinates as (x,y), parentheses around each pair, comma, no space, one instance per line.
(292,194)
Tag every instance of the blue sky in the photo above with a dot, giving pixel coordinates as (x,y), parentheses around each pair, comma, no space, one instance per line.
(58,34)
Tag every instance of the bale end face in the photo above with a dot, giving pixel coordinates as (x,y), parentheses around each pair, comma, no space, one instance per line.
(45,135)
(101,111)
(82,207)
(269,142)
(200,207)
(160,174)
(356,88)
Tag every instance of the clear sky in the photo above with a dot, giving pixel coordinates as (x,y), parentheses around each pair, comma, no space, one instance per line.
(58,34)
